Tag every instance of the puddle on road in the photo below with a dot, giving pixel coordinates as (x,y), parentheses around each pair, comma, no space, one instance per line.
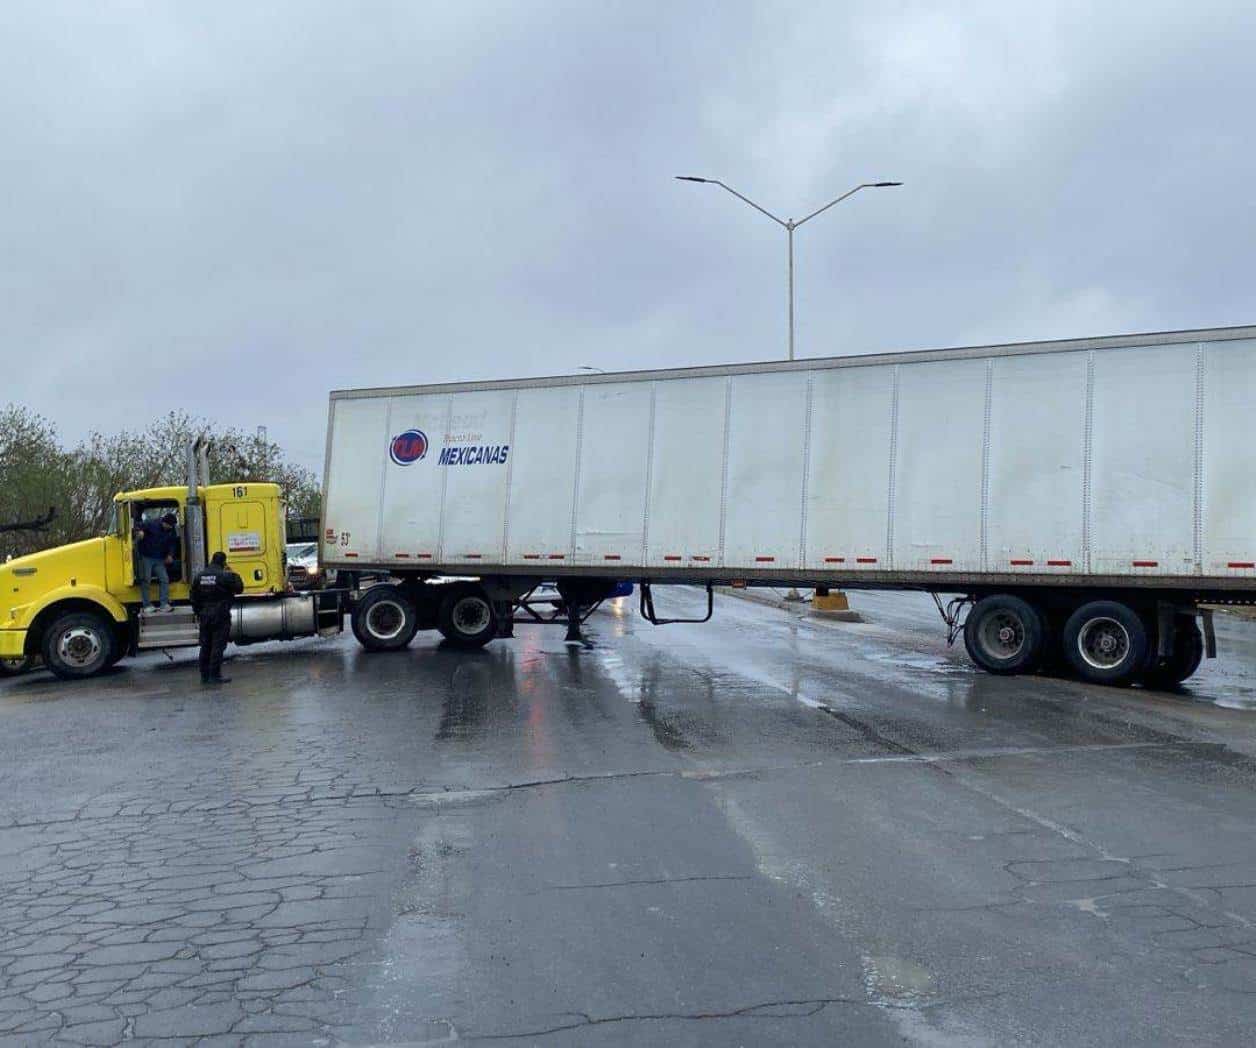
(894,979)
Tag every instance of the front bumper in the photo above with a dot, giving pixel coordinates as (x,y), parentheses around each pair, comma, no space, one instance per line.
(12,644)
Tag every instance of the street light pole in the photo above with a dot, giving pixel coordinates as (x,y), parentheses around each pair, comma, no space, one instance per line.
(789,228)
(789,225)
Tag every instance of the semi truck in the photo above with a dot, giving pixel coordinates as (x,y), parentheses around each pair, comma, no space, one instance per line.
(1078,504)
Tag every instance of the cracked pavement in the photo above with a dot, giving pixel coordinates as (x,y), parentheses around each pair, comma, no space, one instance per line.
(764,830)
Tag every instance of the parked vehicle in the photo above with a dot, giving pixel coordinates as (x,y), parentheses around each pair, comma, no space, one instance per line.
(303,569)
(1076,501)
(1081,498)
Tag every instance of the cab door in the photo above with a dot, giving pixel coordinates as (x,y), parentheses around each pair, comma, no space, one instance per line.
(242,526)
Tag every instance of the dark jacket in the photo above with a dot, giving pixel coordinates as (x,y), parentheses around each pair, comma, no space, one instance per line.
(213,590)
(157,542)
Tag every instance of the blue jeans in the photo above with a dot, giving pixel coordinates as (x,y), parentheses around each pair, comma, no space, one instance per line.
(150,566)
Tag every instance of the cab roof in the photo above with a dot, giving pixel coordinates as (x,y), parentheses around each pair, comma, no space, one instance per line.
(178,492)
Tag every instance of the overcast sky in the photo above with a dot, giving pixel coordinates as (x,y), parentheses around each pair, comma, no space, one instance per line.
(232,208)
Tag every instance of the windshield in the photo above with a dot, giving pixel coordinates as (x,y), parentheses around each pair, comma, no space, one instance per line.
(301,550)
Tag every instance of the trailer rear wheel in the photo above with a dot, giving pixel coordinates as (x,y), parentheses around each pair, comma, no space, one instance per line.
(77,645)
(1188,652)
(1106,642)
(384,619)
(1005,634)
(466,617)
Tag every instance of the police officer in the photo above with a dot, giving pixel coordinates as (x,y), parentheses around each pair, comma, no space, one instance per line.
(213,590)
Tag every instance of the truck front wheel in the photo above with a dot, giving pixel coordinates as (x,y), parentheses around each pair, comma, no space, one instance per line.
(466,617)
(1004,635)
(78,644)
(384,619)
(1106,642)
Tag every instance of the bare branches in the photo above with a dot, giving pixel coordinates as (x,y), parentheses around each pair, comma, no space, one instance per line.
(38,524)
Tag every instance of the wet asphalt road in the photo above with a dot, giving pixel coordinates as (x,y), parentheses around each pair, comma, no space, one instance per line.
(765,830)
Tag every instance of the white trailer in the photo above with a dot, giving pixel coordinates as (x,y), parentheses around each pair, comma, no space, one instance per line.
(1082,497)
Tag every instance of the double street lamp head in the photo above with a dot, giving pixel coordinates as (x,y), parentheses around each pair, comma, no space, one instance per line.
(695,178)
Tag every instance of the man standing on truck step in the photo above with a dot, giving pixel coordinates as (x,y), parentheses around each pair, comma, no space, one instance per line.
(158,543)
(213,591)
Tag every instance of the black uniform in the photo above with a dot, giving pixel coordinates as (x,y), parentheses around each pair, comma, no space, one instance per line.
(213,591)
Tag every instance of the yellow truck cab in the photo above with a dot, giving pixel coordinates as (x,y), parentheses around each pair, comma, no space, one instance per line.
(78,606)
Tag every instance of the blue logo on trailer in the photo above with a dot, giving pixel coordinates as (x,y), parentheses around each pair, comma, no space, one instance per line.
(408,447)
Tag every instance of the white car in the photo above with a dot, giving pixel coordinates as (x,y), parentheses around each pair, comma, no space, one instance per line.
(304,571)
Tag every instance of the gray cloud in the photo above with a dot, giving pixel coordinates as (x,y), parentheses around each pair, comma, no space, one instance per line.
(234,208)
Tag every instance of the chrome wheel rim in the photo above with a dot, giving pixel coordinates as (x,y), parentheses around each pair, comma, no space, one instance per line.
(1103,643)
(385,620)
(79,647)
(471,615)
(1002,635)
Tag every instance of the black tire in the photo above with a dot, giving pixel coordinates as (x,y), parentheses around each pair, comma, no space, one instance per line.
(466,617)
(384,619)
(1005,635)
(1188,653)
(78,644)
(1106,642)
(15,665)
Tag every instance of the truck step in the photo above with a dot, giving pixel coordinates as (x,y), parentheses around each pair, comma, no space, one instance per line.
(174,629)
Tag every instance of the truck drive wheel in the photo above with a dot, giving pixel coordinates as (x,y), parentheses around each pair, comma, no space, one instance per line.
(78,644)
(1106,642)
(1004,635)
(384,619)
(1188,652)
(466,617)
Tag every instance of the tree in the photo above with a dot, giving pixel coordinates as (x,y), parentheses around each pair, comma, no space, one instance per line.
(33,469)
(37,472)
